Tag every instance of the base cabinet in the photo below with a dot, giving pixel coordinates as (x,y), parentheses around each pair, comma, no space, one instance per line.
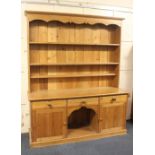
(112,113)
(70,120)
(48,120)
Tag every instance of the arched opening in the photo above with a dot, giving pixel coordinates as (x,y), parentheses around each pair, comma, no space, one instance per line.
(83,120)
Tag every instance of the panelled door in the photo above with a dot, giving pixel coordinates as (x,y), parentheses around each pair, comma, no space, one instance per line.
(112,112)
(48,119)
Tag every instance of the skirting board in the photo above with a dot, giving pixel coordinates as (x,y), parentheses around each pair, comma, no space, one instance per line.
(95,136)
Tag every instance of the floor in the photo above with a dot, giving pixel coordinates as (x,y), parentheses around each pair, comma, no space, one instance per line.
(119,145)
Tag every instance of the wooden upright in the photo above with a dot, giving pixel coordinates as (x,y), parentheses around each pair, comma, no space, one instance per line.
(73,78)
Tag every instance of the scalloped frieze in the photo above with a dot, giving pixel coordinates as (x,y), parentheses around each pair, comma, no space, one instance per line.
(73,19)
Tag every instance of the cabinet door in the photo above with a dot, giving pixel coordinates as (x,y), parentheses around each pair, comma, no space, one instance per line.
(48,119)
(113,112)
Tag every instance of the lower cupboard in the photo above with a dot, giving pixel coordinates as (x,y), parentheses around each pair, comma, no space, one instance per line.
(48,119)
(78,119)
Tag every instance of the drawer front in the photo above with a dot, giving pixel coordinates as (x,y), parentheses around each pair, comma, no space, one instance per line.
(113,99)
(48,104)
(83,101)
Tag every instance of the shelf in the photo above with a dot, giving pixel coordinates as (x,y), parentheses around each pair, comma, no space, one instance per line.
(70,76)
(74,93)
(80,44)
(81,131)
(72,64)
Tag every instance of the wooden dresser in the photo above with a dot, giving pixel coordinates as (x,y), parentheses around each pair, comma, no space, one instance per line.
(73,65)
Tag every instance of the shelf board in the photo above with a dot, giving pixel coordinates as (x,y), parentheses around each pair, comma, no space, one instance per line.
(74,93)
(71,75)
(72,64)
(81,131)
(64,43)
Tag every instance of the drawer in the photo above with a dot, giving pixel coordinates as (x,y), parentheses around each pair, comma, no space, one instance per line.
(48,104)
(113,99)
(83,101)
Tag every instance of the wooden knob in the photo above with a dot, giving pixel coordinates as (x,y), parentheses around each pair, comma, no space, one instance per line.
(83,103)
(100,119)
(49,105)
(113,99)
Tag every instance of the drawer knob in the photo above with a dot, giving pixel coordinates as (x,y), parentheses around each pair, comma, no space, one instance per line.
(83,103)
(49,105)
(100,119)
(113,99)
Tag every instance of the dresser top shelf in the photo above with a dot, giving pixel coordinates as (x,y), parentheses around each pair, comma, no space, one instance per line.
(74,43)
(74,93)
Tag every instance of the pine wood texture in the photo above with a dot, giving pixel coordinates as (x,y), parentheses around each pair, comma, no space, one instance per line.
(50,45)
(74,77)
(74,64)
(83,135)
(49,119)
(74,93)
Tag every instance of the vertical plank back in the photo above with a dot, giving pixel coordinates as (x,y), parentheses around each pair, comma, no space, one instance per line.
(61,53)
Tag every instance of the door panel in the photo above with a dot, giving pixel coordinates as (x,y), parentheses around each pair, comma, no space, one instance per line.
(112,114)
(112,117)
(48,122)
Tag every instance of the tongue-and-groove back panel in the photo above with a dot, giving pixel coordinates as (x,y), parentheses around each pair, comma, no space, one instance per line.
(68,43)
